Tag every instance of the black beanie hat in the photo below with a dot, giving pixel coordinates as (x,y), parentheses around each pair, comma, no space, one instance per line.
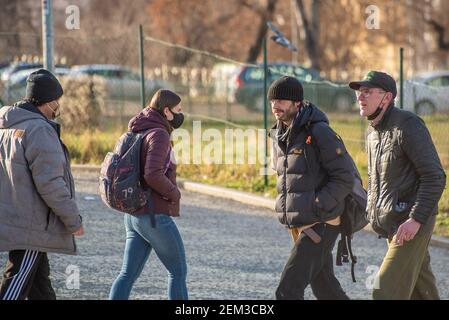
(42,87)
(286,88)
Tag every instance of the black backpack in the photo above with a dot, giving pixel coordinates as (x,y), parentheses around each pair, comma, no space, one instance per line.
(352,220)
(120,186)
(354,216)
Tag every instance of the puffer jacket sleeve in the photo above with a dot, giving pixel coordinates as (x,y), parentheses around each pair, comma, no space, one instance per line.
(419,148)
(273,156)
(46,161)
(156,164)
(334,159)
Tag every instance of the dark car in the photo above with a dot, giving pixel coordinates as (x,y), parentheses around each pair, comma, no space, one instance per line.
(327,95)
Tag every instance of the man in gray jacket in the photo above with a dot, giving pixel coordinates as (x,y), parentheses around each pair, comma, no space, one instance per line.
(38,212)
(405,183)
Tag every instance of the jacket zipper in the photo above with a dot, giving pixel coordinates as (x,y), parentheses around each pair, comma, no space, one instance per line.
(48,219)
(285,182)
(378,161)
(64,148)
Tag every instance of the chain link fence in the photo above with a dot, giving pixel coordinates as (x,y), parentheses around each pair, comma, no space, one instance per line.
(101,79)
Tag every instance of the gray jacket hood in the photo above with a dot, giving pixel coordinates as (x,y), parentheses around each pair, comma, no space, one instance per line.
(12,115)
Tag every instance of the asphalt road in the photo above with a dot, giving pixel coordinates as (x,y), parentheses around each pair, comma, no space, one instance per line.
(234,251)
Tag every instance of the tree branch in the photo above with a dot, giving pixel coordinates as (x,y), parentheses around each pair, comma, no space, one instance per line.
(267,15)
(260,11)
(440,31)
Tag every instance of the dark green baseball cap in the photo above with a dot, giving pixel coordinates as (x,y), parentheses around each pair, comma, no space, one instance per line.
(376,79)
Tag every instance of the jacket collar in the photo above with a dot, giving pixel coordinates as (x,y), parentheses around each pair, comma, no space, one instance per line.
(29,106)
(307,115)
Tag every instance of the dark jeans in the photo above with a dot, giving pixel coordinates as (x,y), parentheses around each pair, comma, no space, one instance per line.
(312,263)
(27,276)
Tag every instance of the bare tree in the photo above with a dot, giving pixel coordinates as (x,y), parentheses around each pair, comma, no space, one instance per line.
(265,15)
(441,32)
(311,24)
(21,32)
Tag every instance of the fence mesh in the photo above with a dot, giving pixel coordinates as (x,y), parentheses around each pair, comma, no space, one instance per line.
(102,86)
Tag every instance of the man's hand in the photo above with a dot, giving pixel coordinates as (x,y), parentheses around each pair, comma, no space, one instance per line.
(79,232)
(407,231)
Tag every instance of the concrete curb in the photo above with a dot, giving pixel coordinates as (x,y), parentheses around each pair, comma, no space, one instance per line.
(85,167)
(247,198)
(243,197)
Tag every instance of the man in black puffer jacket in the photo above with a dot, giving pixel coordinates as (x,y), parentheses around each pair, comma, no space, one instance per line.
(405,183)
(314,177)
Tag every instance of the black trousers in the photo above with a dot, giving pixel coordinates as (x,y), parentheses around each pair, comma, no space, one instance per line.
(27,276)
(312,263)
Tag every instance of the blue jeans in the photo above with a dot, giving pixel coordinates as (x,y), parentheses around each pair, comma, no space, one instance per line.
(141,238)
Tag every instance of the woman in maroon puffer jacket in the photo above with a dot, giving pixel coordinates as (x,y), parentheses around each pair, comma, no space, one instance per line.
(160,117)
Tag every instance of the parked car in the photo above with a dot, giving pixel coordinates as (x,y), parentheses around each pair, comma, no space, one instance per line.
(19,66)
(224,77)
(427,93)
(327,95)
(121,83)
(15,88)
(3,67)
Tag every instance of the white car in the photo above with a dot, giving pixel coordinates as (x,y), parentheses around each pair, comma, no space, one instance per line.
(121,83)
(427,93)
(15,88)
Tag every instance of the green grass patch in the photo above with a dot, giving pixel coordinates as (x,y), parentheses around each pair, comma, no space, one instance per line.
(90,147)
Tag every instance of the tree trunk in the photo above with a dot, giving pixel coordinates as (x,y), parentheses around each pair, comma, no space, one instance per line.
(256,48)
(440,31)
(311,31)
(10,43)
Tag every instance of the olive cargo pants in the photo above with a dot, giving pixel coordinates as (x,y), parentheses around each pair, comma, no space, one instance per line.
(405,272)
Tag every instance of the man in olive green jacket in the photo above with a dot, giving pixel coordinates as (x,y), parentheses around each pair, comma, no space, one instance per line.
(405,183)
(38,212)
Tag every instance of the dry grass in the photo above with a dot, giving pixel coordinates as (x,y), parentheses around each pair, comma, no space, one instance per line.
(90,147)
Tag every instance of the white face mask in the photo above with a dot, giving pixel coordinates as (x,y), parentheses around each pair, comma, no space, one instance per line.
(55,113)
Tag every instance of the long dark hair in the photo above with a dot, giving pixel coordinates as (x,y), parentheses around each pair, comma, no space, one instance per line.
(164,98)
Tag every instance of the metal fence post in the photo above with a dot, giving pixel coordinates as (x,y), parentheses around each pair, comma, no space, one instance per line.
(401,75)
(227,100)
(47,34)
(265,107)
(142,69)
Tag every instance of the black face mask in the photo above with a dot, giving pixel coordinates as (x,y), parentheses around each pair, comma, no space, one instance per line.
(378,110)
(178,119)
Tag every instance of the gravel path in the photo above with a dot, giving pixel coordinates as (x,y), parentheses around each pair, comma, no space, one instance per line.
(234,251)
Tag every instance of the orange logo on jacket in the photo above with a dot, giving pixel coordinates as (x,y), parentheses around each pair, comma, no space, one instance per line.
(19,133)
